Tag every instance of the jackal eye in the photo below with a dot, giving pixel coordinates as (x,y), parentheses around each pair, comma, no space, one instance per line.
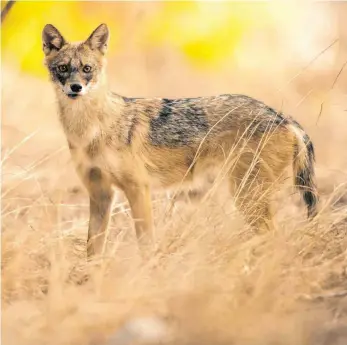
(62,68)
(87,69)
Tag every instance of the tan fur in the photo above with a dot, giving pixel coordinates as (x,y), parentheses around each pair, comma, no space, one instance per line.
(117,143)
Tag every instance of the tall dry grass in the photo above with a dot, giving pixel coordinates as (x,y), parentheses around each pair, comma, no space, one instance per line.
(211,280)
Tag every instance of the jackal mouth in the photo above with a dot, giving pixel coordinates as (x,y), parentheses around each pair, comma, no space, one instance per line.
(73,95)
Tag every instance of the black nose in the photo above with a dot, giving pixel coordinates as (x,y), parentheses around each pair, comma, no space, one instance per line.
(76,87)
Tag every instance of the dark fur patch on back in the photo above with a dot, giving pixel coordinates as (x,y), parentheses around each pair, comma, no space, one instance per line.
(179,122)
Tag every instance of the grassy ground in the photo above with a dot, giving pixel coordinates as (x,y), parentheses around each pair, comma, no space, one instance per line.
(211,279)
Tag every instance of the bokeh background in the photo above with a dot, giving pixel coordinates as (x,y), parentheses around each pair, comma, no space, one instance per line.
(289,54)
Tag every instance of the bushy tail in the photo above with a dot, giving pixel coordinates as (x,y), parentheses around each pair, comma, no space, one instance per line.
(304,175)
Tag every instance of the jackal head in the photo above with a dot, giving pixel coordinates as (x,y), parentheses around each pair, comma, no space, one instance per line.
(76,69)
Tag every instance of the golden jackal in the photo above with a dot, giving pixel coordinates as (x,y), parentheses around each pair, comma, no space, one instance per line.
(138,144)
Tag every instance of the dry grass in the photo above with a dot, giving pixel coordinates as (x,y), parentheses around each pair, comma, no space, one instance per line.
(211,279)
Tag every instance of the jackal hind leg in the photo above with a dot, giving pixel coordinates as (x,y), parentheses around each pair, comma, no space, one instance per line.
(252,190)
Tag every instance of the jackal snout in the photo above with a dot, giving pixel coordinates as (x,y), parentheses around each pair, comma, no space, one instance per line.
(74,88)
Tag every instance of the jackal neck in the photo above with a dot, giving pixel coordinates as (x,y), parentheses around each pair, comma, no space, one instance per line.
(93,112)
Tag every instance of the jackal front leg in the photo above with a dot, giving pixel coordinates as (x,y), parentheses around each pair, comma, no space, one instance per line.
(100,207)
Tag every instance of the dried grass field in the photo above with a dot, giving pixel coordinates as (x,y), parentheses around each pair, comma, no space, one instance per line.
(211,281)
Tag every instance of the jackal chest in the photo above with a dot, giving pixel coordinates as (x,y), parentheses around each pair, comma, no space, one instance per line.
(82,138)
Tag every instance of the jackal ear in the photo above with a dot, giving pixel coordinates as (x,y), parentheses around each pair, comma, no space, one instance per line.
(51,39)
(99,38)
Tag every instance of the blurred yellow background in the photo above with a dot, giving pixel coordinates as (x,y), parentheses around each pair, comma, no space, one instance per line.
(206,33)
(265,49)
